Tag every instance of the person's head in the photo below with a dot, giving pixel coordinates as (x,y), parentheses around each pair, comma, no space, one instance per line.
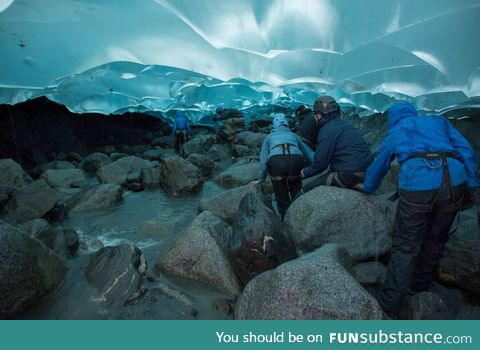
(180,114)
(398,111)
(279,121)
(299,110)
(325,107)
(219,110)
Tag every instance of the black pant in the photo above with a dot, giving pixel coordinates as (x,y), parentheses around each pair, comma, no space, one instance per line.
(422,223)
(335,178)
(284,170)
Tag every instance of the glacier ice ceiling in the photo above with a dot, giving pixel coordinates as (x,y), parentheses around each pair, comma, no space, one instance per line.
(114,56)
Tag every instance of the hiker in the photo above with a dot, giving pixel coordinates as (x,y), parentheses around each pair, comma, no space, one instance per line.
(232,120)
(283,156)
(438,167)
(306,126)
(341,155)
(180,130)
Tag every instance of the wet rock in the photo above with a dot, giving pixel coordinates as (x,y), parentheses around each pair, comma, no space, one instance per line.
(108,149)
(154,154)
(260,241)
(179,176)
(361,223)
(199,144)
(35,227)
(12,175)
(460,264)
(155,227)
(98,198)
(252,139)
(223,305)
(32,202)
(203,163)
(316,286)
(116,156)
(371,273)
(95,161)
(225,205)
(424,306)
(117,273)
(245,151)
(150,177)
(57,164)
(30,272)
(72,239)
(163,141)
(63,177)
(218,152)
(174,294)
(4,198)
(118,171)
(200,253)
(238,174)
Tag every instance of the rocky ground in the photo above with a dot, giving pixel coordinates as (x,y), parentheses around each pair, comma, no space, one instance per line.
(317,264)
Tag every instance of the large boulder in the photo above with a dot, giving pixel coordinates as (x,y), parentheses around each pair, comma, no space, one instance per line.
(200,253)
(117,272)
(29,272)
(199,144)
(424,306)
(150,177)
(460,264)
(238,174)
(361,223)
(203,163)
(97,198)
(316,286)
(95,161)
(12,175)
(370,273)
(158,153)
(252,139)
(218,152)
(225,205)
(64,177)
(119,171)
(179,176)
(32,201)
(260,241)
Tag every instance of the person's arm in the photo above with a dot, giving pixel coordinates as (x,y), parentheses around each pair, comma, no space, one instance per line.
(466,153)
(323,155)
(377,170)
(307,152)
(262,175)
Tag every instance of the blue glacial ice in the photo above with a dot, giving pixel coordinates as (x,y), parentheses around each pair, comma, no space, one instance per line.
(114,56)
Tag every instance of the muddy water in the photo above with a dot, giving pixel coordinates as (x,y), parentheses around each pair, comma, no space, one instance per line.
(78,300)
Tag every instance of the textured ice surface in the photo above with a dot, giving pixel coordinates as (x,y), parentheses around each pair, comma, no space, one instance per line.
(111,56)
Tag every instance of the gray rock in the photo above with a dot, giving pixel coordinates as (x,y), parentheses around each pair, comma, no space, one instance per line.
(30,272)
(13,176)
(35,227)
(163,141)
(359,222)
(199,253)
(63,177)
(424,306)
(218,152)
(95,161)
(199,144)
(97,198)
(179,176)
(155,227)
(370,273)
(225,205)
(154,154)
(460,264)
(260,241)
(252,139)
(245,151)
(238,174)
(118,171)
(150,177)
(117,272)
(32,202)
(116,156)
(203,163)
(316,286)
(174,294)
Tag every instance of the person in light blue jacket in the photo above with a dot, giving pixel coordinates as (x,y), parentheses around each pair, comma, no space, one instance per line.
(283,156)
(181,130)
(438,168)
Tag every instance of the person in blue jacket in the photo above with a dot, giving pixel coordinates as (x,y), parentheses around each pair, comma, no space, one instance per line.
(181,130)
(342,156)
(282,156)
(437,166)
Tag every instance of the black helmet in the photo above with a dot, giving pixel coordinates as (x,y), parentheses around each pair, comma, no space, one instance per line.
(324,105)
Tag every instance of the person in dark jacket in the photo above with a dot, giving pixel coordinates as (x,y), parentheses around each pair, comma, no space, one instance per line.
(283,155)
(232,120)
(180,130)
(437,165)
(306,126)
(342,156)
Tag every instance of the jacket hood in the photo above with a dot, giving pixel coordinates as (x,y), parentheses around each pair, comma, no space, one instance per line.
(400,111)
